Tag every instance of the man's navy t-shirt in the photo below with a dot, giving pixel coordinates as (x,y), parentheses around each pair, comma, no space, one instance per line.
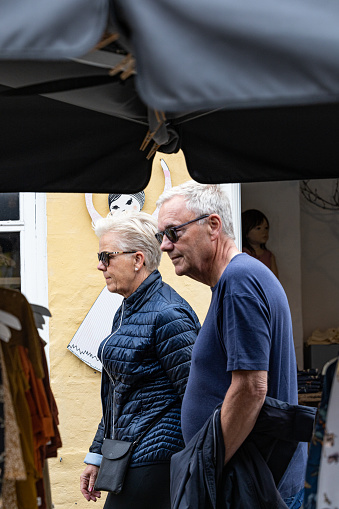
(248,327)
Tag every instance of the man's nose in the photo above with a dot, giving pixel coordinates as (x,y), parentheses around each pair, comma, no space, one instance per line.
(101,266)
(166,244)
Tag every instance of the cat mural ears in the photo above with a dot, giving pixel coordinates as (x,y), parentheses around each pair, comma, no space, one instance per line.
(127,201)
(168,183)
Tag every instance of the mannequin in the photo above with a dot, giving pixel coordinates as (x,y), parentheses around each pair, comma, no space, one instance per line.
(255,234)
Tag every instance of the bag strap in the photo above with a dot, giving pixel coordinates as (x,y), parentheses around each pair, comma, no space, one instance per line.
(109,397)
(108,408)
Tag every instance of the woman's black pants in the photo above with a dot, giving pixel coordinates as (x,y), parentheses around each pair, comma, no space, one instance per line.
(145,487)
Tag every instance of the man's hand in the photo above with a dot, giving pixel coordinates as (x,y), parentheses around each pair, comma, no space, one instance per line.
(87,480)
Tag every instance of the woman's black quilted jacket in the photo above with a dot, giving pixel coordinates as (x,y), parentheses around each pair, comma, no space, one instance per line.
(148,359)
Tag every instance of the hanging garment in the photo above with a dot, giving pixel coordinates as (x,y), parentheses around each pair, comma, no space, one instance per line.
(14,463)
(50,449)
(31,430)
(25,490)
(16,303)
(318,437)
(14,468)
(41,417)
(55,442)
(2,431)
(328,493)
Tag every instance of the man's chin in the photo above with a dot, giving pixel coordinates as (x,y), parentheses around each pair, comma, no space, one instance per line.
(179,269)
(110,287)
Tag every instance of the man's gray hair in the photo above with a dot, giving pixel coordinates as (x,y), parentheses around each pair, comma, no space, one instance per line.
(203,199)
(134,231)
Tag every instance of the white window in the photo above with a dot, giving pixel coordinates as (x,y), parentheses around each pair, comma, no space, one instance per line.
(23,247)
(234,194)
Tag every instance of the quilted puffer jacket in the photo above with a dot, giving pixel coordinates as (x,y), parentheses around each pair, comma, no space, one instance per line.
(146,365)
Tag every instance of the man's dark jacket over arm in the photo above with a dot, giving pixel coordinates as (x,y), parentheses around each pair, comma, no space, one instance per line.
(199,479)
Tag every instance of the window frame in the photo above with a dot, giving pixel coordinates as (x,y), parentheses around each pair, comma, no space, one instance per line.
(234,193)
(32,226)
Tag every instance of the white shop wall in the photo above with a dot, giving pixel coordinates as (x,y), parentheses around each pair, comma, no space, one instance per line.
(305,240)
(320,261)
(279,201)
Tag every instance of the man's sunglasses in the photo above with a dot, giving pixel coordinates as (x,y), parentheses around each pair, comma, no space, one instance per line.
(105,256)
(171,232)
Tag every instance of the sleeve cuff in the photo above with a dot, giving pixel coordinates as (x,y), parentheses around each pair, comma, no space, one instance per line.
(92,458)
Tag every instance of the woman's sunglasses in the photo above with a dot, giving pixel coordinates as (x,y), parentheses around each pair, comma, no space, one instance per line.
(105,256)
(171,232)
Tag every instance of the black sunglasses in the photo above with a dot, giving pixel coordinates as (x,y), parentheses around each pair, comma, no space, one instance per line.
(105,256)
(171,232)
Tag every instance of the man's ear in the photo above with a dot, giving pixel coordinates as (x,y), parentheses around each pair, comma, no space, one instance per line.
(215,226)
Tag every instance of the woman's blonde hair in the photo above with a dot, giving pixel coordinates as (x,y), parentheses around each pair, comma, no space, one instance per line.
(135,231)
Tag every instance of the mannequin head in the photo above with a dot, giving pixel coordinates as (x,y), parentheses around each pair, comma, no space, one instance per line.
(255,229)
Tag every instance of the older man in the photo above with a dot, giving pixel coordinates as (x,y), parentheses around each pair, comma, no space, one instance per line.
(245,348)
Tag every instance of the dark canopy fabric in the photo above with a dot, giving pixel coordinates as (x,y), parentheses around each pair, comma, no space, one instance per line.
(266,144)
(50,145)
(50,30)
(70,140)
(197,54)
(270,69)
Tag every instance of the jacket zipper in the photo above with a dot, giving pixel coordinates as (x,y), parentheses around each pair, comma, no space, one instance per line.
(109,375)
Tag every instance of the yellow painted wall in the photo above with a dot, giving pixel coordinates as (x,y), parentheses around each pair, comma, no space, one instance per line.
(74,284)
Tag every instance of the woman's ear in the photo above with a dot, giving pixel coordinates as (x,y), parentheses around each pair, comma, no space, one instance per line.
(215,226)
(139,260)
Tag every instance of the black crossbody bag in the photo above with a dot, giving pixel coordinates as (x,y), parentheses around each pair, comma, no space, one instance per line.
(116,457)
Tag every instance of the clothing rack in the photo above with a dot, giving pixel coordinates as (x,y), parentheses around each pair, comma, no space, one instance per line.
(29,433)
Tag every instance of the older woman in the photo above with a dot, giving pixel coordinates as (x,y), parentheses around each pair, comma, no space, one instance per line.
(146,362)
